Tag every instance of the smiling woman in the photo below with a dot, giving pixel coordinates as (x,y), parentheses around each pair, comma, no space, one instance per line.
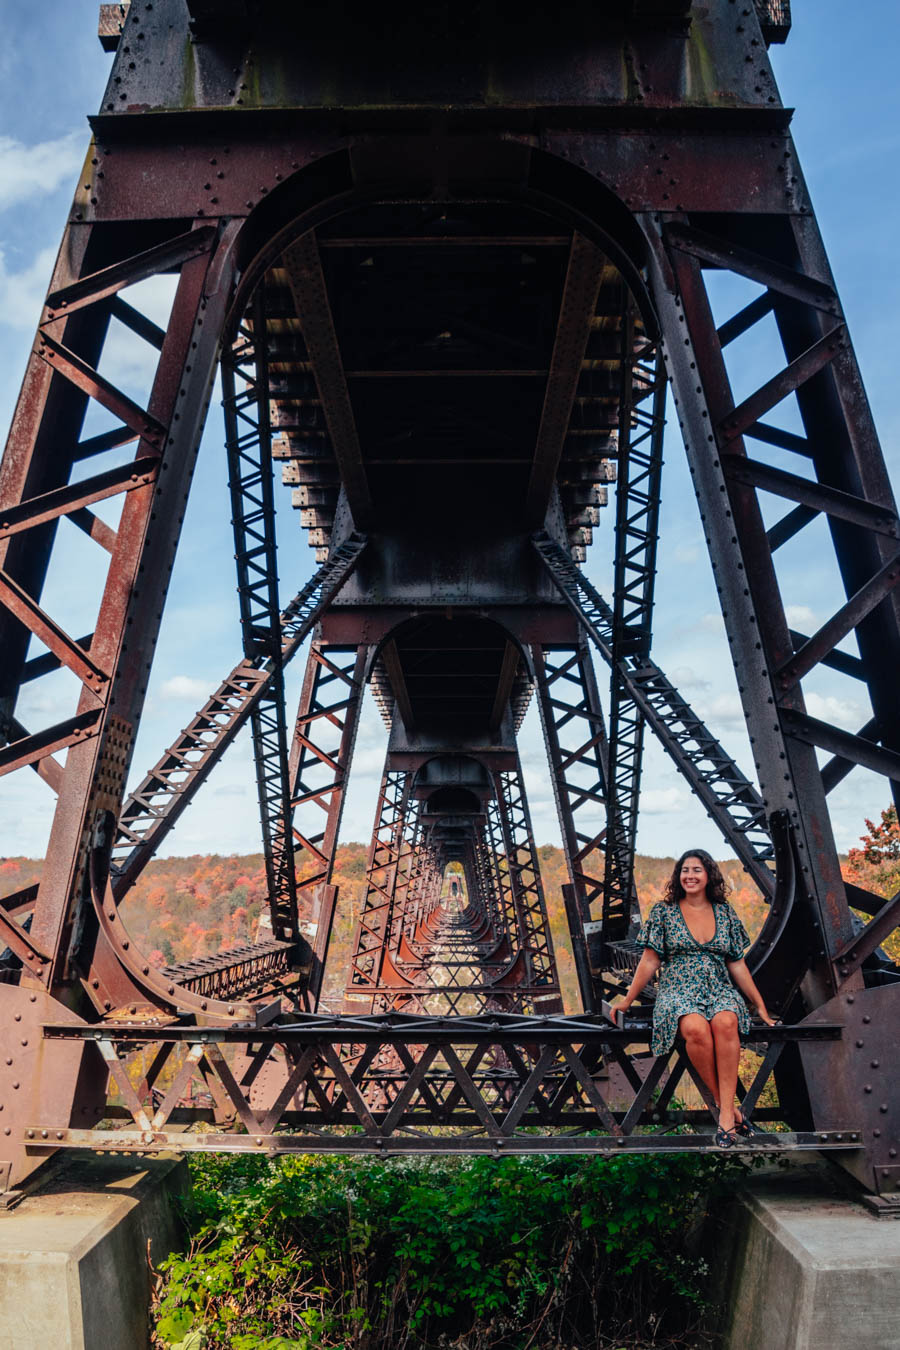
(696,942)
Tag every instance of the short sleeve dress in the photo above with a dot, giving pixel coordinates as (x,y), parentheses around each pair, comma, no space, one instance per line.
(693,977)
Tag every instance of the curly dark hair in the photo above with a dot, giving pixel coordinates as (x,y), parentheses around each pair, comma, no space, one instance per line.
(716,886)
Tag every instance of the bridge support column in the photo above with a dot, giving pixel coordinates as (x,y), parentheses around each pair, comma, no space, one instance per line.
(808,1268)
(74,1270)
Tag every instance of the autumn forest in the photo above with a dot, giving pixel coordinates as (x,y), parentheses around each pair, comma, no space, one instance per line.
(191,906)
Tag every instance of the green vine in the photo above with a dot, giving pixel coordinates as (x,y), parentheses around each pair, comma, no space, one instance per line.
(348,1253)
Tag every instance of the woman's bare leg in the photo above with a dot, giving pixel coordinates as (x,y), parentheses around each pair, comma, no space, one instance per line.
(700,1046)
(727,1054)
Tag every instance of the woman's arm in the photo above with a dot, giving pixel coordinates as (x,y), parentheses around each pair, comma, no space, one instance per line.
(744,981)
(648,965)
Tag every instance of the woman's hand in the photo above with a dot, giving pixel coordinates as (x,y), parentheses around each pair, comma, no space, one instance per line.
(619,1014)
(764,1015)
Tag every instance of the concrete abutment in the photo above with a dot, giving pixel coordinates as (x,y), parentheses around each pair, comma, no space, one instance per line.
(75,1254)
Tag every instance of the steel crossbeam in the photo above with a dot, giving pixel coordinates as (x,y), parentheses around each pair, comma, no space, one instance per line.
(420,1084)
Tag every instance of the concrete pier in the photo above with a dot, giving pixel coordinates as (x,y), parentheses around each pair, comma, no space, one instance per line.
(74,1270)
(807,1267)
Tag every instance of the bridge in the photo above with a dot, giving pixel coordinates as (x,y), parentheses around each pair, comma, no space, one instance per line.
(448,270)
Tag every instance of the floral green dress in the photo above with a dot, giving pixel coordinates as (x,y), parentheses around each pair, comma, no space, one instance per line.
(693,977)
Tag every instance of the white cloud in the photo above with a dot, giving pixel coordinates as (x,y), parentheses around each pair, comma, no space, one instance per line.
(686,553)
(801,616)
(713,622)
(28,171)
(186,687)
(22,293)
(659,801)
(843,712)
(724,710)
(685,677)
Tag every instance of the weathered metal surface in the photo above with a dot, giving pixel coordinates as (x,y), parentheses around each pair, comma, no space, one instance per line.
(422,1084)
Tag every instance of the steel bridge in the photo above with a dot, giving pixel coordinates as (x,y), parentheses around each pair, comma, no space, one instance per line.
(448,263)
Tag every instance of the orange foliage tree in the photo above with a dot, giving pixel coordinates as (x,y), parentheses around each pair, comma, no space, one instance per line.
(875,864)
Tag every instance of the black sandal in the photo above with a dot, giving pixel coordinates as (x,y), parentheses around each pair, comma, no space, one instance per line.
(745,1128)
(726,1138)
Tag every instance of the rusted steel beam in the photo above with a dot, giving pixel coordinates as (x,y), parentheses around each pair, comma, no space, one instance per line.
(847,618)
(67,501)
(582,286)
(94,527)
(508,669)
(755,267)
(88,290)
(41,1140)
(47,631)
(91,382)
(859,750)
(817,496)
(250,968)
(787,381)
(27,749)
(135,584)
(19,941)
(853,953)
(394,667)
(307,283)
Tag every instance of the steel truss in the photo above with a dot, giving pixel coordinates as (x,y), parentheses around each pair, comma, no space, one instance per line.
(843,482)
(713,776)
(389,851)
(153,808)
(248,444)
(417,1084)
(638,482)
(321,752)
(409,952)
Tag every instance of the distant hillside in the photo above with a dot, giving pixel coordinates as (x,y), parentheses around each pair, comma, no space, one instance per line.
(184,907)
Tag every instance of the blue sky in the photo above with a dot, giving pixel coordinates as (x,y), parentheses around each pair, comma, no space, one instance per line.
(838,72)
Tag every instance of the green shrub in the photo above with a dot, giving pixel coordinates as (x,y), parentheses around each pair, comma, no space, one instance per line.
(352,1253)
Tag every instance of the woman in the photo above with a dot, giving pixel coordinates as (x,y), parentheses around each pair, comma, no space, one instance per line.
(697,942)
